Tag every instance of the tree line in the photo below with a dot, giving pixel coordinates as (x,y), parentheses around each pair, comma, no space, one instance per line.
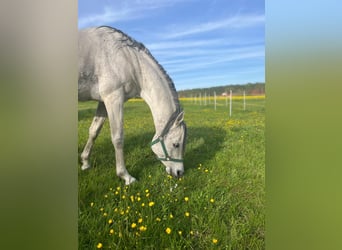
(237,89)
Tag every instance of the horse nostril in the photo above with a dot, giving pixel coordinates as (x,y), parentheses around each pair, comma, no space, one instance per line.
(179,173)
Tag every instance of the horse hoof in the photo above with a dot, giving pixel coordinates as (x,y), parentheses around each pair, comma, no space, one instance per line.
(85,167)
(130,181)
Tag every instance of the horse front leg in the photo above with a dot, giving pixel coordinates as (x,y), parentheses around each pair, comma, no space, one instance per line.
(114,105)
(94,130)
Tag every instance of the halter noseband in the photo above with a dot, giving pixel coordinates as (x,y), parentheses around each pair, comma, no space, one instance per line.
(161,140)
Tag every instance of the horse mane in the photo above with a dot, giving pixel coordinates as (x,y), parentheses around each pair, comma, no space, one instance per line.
(131,42)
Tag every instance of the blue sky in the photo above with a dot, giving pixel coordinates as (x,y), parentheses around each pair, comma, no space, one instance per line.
(200,43)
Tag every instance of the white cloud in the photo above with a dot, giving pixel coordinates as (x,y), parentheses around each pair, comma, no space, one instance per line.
(124,11)
(108,15)
(235,22)
(208,61)
(183,44)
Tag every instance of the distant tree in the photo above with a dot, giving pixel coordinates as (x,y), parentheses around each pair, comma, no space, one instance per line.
(237,89)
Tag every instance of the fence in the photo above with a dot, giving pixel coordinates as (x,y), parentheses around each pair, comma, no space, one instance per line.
(204,99)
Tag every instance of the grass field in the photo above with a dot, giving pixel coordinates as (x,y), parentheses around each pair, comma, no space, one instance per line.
(218,204)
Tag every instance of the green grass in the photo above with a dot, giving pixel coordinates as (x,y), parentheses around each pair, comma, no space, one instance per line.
(218,204)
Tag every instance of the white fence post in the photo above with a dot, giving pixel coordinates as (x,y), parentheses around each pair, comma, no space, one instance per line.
(230,103)
(244,100)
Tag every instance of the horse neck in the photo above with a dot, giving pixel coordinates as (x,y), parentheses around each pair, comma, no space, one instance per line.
(157,93)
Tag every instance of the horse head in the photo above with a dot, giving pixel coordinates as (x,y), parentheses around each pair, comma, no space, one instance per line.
(169,146)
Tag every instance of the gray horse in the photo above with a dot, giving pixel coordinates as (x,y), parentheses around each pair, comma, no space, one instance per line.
(113,67)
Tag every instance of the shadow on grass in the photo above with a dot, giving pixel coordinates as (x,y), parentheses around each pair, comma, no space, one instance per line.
(86,114)
(202,145)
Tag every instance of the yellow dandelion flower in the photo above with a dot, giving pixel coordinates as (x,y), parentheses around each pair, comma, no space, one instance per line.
(118,188)
(92,204)
(138,199)
(132,198)
(151,204)
(116,210)
(110,221)
(104,214)
(142,204)
(142,228)
(206,170)
(180,232)
(140,220)
(192,232)
(116,192)
(123,197)
(215,241)
(134,225)
(187,214)
(158,219)
(212,200)
(168,230)
(146,191)
(186,198)
(99,245)
(171,216)
(101,209)
(148,194)
(111,231)
(106,196)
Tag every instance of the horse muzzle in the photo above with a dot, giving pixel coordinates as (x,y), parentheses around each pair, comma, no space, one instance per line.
(175,171)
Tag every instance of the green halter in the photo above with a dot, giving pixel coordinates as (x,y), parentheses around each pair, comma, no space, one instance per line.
(161,139)
(167,156)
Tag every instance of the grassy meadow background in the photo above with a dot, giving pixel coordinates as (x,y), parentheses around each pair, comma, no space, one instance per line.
(218,204)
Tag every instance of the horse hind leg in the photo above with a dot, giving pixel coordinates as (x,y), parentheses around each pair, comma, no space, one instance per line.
(94,131)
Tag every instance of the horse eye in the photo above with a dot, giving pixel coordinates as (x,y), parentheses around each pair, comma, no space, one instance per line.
(176,145)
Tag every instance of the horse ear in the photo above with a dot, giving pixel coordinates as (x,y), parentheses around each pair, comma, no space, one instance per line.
(179,119)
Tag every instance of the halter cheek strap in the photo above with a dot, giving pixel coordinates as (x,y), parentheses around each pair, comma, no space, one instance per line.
(167,156)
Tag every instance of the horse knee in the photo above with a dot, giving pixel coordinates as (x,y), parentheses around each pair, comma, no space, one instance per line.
(118,143)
